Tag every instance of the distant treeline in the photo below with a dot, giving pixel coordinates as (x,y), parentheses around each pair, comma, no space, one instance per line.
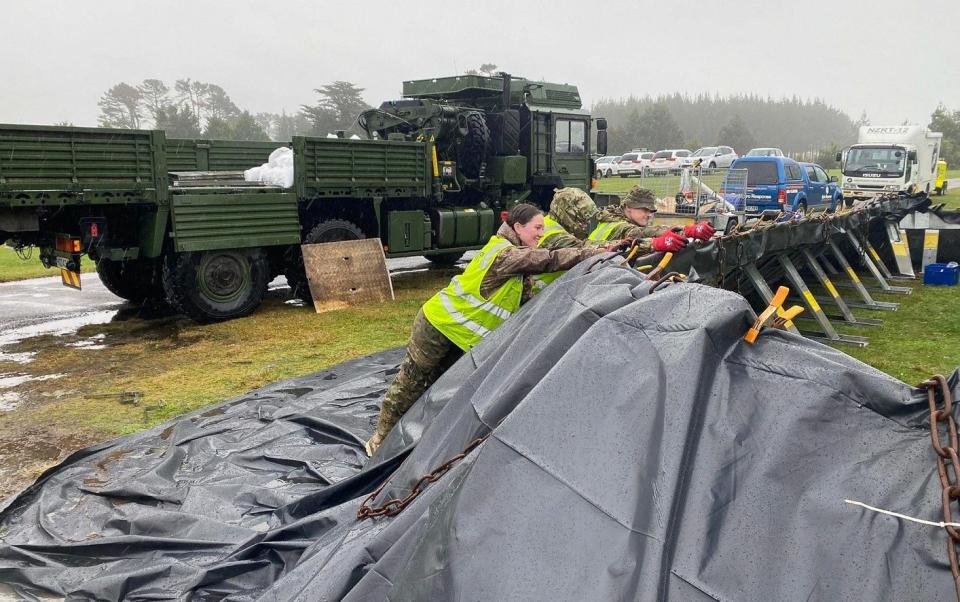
(743,122)
(195,109)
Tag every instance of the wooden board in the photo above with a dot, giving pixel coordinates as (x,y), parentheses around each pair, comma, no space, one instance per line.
(347,273)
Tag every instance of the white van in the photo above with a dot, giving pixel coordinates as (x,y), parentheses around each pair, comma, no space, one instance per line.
(890,159)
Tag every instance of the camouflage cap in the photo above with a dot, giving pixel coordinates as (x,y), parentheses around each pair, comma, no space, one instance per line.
(574,209)
(640,198)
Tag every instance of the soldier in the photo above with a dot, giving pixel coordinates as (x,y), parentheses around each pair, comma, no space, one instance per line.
(569,221)
(572,212)
(631,219)
(493,286)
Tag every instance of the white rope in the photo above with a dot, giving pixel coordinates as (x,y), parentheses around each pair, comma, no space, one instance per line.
(903,516)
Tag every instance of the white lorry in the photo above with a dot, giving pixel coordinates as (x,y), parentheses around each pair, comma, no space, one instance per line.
(889,159)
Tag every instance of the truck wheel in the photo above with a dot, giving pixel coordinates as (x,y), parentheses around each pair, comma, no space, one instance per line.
(333,230)
(444,259)
(136,280)
(209,286)
(472,150)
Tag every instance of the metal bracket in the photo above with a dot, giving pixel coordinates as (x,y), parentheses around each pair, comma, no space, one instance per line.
(901,250)
(829,333)
(845,313)
(874,270)
(868,301)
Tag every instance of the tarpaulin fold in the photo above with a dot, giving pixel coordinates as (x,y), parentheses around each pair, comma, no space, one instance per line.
(638,449)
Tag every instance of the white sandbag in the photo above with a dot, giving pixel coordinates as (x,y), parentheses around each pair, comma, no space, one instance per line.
(277,171)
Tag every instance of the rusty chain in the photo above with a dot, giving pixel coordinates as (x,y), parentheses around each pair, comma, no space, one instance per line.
(395,506)
(948,462)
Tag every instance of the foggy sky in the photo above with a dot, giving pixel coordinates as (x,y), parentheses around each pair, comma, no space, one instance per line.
(895,59)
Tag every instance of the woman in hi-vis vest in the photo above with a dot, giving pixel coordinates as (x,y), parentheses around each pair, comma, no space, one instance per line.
(493,286)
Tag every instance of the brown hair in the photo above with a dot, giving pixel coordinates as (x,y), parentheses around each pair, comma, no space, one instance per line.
(522,213)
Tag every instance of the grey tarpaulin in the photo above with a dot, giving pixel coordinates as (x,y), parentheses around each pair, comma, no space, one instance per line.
(639,451)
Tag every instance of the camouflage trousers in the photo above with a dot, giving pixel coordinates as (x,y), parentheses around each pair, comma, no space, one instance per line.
(429,354)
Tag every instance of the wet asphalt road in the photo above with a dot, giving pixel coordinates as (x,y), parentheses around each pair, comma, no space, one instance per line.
(44,305)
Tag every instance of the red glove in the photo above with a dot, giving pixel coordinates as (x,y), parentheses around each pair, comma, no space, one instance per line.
(699,231)
(669,241)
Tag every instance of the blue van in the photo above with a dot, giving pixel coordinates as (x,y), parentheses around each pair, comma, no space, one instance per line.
(782,184)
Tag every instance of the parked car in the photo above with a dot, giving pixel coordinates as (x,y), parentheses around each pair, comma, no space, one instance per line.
(606,166)
(634,163)
(782,184)
(711,156)
(668,160)
(764,152)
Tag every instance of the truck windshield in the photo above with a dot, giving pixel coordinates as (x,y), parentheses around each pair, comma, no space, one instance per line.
(877,161)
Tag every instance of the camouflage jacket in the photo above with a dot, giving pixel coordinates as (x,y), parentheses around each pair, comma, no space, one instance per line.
(565,240)
(627,229)
(527,261)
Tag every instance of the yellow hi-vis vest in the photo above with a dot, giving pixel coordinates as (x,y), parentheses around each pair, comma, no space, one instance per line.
(550,228)
(461,313)
(604,230)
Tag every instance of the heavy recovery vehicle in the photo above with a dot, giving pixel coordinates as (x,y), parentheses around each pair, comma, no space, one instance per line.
(172,221)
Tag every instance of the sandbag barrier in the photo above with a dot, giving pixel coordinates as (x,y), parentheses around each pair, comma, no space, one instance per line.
(833,250)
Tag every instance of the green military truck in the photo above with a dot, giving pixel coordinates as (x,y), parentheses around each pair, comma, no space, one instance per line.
(173,221)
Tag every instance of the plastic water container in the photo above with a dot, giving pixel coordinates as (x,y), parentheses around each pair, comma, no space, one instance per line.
(942,274)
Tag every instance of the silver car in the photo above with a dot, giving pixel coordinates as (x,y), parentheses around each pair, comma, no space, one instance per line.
(712,157)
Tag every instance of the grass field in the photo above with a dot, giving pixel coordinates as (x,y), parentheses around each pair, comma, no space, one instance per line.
(13,267)
(179,366)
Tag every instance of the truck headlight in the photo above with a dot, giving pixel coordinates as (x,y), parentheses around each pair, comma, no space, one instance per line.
(891,187)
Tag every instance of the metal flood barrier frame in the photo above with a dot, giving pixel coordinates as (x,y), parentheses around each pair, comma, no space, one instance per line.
(835,252)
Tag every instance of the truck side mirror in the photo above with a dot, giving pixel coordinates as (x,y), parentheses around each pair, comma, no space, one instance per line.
(601,124)
(912,155)
(839,157)
(602,142)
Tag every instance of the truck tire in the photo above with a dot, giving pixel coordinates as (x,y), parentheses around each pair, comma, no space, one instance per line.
(209,286)
(333,230)
(444,259)
(472,150)
(136,280)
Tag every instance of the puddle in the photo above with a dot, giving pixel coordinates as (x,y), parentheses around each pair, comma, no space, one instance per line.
(53,327)
(112,457)
(8,381)
(94,342)
(9,401)
(296,391)
(18,358)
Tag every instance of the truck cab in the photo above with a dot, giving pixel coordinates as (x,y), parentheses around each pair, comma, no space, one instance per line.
(537,127)
(888,160)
